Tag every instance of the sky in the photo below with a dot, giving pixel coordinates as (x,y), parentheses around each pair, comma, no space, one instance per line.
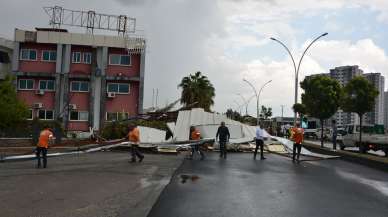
(229,40)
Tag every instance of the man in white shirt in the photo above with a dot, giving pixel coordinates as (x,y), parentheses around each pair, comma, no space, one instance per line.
(259,142)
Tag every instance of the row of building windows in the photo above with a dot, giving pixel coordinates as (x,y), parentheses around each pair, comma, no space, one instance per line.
(77,57)
(75,86)
(78,115)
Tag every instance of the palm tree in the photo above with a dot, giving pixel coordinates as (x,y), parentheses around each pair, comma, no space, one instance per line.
(197,91)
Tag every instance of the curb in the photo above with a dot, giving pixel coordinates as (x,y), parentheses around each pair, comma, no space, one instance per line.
(380,163)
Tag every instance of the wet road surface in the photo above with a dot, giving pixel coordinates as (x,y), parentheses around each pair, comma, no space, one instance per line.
(101,184)
(240,186)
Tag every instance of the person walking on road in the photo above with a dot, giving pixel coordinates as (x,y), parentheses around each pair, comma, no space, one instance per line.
(297,135)
(259,142)
(196,136)
(334,136)
(223,136)
(134,138)
(45,137)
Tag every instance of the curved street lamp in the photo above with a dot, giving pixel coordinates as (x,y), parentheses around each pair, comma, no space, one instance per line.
(297,68)
(257,98)
(245,103)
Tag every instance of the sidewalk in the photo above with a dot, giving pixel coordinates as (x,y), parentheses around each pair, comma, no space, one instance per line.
(374,161)
(93,184)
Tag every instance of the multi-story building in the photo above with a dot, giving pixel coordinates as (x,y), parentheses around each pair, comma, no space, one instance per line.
(83,80)
(343,75)
(386,110)
(376,116)
(6,49)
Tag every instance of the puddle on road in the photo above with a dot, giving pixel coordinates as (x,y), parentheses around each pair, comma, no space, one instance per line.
(185,177)
(378,185)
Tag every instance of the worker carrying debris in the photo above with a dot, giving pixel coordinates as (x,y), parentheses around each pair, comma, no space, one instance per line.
(297,137)
(223,136)
(195,135)
(45,137)
(259,142)
(134,138)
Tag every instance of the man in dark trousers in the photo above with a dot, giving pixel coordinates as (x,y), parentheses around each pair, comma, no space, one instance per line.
(334,134)
(297,136)
(45,137)
(259,142)
(134,138)
(223,137)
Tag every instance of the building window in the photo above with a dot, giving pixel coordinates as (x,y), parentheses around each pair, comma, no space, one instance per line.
(116,116)
(117,59)
(29,117)
(120,88)
(46,114)
(27,54)
(79,116)
(76,57)
(46,85)
(26,84)
(49,55)
(79,86)
(87,58)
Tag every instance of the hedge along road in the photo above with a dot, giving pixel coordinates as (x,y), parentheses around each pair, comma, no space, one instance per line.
(240,186)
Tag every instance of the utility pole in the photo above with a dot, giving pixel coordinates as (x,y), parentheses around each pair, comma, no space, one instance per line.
(282,112)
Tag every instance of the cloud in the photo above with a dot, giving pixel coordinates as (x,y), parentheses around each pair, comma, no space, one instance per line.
(364,52)
(185,36)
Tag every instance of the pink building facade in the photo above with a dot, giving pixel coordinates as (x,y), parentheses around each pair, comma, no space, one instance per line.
(83,82)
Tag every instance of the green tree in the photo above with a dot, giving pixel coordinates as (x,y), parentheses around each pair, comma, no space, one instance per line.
(265,112)
(197,91)
(12,110)
(359,97)
(321,97)
(300,109)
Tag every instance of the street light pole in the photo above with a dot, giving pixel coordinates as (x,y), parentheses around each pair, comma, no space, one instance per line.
(257,98)
(245,103)
(238,106)
(297,68)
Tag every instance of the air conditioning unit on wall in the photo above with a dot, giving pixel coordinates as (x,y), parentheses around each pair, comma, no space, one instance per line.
(111,95)
(39,92)
(38,105)
(72,106)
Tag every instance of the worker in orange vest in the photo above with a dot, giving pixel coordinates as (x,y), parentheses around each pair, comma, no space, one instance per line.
(297,135)
(134,138)
(45,138)
(195,135)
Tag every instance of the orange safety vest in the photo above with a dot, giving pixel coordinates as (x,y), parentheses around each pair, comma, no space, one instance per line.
(297,135)
(44,138)
(134,135)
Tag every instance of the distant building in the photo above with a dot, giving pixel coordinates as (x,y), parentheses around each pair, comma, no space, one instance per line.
(343,75)
(386,109)
(6,49)
(376,116)
(83,80)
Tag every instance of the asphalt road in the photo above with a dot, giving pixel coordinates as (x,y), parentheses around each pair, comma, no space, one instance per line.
(102,184)
(240,186)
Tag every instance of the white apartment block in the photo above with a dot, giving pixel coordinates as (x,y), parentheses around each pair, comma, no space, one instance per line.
(386,109)
(376,116)
(343,75)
